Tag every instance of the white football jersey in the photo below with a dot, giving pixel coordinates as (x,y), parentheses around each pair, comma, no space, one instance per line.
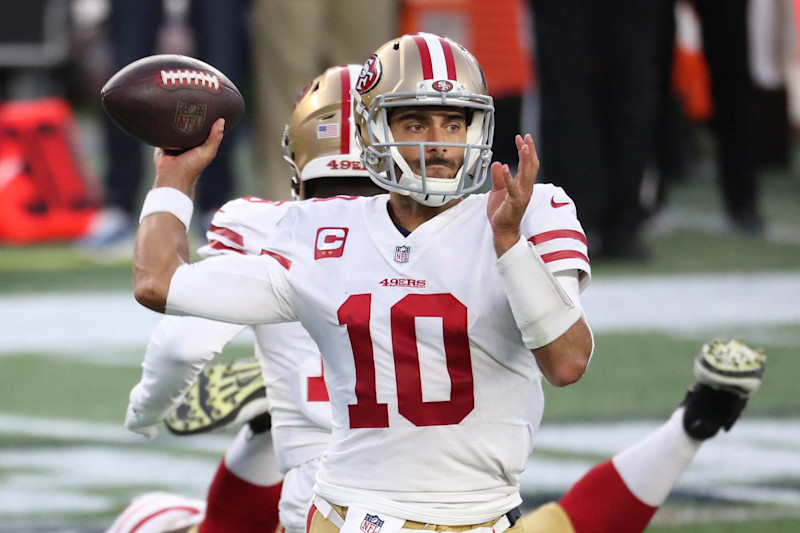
(290,360)
(435,399)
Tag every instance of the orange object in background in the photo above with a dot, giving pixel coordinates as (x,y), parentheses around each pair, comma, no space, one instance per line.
(690,77)
(692,82)
(45,193)
(495,32)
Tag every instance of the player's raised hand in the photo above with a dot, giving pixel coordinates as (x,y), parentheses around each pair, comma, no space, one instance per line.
(510,195)
(182,170)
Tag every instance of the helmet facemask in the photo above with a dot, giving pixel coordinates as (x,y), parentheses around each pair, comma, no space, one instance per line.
(415,71)
(383,159)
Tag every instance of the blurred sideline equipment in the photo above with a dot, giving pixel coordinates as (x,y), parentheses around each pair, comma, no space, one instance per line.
(34,33)
(45,193)
(171,101)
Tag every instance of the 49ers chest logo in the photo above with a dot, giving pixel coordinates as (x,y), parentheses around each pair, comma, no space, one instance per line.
(370,75)
(330,242)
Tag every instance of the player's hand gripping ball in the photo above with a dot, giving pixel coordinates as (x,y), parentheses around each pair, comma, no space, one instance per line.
(171,101)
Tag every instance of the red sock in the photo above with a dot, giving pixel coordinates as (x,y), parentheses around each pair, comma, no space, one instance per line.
(600,501)
(235,505)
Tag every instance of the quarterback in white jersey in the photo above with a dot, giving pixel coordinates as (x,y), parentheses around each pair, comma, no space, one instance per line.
(428,308)
(290,361)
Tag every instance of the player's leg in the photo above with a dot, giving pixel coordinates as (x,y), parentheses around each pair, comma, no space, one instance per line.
(622,494)
(246,489)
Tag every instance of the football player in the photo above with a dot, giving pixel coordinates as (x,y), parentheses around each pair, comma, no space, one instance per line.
(619,495)
(324,162)
(428,307)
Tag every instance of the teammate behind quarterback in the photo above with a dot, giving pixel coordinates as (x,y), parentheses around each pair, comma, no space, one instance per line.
(425,430)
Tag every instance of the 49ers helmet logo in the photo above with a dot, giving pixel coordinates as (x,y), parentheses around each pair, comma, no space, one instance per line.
(370,75)
(443,86)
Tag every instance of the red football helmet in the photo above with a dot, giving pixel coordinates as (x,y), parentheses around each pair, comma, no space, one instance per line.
(422,70)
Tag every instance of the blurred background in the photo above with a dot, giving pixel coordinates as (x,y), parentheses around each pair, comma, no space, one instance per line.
(673,124)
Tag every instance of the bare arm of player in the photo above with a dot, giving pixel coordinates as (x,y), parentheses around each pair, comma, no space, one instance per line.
(552,327)
(161,244)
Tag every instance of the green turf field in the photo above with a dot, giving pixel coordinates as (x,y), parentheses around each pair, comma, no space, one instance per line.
(65,459)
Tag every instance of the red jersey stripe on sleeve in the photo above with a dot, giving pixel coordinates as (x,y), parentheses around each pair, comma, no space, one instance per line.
(564,254)
(285,263)
(217,245)
(558,234)
(231,235)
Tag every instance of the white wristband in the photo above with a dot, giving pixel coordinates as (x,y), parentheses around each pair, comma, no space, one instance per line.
(168,200)
(542,310)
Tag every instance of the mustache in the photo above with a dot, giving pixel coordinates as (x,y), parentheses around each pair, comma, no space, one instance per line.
(440,161)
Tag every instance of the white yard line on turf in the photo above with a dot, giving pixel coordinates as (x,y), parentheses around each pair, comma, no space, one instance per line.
(75,323)
(76,430)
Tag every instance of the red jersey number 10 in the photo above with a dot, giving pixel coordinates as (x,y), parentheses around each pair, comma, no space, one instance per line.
(367,412)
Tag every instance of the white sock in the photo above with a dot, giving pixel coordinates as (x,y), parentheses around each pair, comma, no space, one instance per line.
(252,458)
(652,466)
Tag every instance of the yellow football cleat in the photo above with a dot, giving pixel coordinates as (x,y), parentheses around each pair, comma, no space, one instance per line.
(222,395)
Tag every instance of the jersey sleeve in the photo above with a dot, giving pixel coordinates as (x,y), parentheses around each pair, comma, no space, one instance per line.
(551,224)
(242,226)
(234,288)
(178,350)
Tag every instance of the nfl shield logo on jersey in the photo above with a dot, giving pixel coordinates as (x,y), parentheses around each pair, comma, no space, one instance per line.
(371,524)
(401,253)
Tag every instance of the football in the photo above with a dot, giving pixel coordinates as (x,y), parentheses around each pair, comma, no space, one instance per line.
(171,101)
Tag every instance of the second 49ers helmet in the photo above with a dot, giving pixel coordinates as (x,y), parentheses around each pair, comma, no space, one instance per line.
(318,141)
(423,70)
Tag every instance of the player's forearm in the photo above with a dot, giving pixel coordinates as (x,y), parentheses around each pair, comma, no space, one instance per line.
(161,247)
(564,360)
(551,323)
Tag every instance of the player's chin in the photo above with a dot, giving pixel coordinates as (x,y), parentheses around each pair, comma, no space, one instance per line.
(441,172)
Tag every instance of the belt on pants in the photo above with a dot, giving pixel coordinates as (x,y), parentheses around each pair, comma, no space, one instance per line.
(333,513)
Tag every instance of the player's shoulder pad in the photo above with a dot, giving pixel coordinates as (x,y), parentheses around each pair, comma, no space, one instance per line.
(326,209)
(551,224)
(242,225)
